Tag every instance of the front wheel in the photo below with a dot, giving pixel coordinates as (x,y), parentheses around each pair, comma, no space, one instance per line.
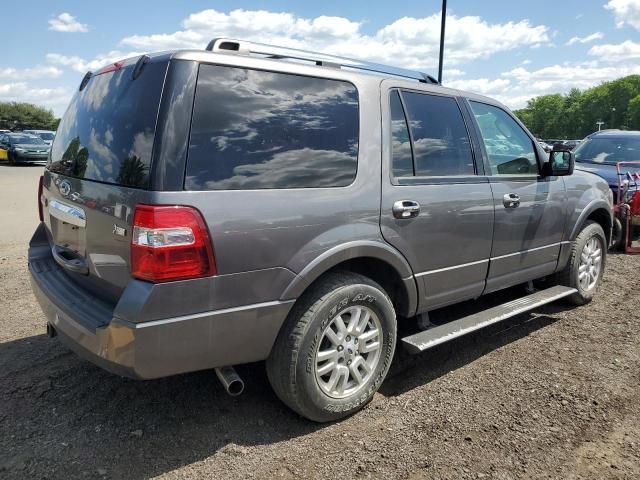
(586,265)
(335,348)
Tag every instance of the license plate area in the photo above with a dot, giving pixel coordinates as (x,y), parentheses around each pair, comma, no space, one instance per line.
(67,223)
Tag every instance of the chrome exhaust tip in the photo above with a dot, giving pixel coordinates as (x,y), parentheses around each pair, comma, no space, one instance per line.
(230,380)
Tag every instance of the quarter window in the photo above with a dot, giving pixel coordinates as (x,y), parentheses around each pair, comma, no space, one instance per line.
(254,129)
(400,141)
(509,149)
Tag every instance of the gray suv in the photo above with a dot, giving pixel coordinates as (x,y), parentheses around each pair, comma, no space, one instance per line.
(204,209)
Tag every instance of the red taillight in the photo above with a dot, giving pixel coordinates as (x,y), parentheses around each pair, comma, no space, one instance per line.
(40,186)
(170,243)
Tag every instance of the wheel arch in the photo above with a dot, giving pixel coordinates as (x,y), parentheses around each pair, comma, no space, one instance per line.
(599,212)
(375,260)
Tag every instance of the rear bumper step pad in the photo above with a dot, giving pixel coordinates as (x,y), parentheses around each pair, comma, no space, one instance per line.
(422,341)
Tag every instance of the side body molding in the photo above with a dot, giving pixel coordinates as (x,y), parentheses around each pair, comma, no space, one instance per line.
(352,250)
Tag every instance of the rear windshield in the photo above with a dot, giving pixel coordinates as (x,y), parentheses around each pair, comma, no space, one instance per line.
(107,132)
(609,150)
(253,129)
(46,135)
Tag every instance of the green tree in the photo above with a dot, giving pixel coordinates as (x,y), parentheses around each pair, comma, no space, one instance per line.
(633,113)
(132,172)
(575,114)
(76,157)
(14,115)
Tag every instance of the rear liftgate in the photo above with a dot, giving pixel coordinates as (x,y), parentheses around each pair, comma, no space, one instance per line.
(434,336)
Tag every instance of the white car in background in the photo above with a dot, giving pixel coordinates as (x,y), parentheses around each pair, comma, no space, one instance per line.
(46,135)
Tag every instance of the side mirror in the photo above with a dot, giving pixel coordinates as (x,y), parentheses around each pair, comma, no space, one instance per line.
(561,163)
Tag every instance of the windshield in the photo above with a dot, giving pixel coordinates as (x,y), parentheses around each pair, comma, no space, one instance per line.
(107,132)
(25,140)
(46,135)
(609,151)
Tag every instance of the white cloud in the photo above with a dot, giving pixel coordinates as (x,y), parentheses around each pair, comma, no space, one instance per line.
(81,65)
(625,11)
(65,22)
(55,98)
(35,73)
(483,86)
(586,39)
(453,72)
(409,42)
(624,51)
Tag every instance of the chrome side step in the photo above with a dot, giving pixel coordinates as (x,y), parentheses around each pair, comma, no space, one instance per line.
(422,341)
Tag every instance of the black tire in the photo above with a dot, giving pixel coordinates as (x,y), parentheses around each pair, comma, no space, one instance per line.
(569,276)
(10,158)
(291,368)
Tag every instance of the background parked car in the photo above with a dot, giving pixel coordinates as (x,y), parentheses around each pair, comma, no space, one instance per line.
(545,146)
(21,147)
(46,135)
(600,152)
(572,144)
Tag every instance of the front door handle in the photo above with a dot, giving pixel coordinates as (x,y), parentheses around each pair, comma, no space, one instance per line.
(511,200)
(403,209)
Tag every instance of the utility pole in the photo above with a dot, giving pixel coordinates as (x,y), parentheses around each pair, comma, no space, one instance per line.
(613,117)
(442,25)
(599,125)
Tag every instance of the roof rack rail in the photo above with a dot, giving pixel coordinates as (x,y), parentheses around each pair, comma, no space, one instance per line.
(229,45)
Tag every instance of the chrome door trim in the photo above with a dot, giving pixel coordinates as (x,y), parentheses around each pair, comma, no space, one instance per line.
(445,269)
(67,213)
(463,265)
(522,252)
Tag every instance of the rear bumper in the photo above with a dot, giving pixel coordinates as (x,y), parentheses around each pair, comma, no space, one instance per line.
(27,157)
(151,349)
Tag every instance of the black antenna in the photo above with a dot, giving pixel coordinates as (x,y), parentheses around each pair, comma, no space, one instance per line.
(442,24)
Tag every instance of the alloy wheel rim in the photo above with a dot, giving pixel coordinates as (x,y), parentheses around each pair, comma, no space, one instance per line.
(348,352)
(590,264)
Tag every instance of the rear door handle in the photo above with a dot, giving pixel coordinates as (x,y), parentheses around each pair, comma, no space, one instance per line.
(403,209)
(511,200)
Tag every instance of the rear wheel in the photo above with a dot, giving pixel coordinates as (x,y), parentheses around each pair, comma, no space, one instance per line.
(586,264)
(335,349)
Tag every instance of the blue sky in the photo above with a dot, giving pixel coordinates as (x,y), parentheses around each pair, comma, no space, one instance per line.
(506,49)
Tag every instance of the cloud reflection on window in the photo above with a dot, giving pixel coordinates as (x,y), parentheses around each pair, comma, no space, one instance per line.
(256,129)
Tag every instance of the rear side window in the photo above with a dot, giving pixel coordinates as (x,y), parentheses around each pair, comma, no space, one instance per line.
(441,145)
(254,129)
(107,132)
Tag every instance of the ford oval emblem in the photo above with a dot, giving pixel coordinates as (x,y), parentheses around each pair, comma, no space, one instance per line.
(65,188)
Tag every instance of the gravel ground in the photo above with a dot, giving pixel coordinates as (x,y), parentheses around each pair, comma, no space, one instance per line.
(551,394)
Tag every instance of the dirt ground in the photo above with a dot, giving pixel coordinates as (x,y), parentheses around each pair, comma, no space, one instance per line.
(551,394)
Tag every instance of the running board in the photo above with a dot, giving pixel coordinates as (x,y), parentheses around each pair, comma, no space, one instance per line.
(422,341)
